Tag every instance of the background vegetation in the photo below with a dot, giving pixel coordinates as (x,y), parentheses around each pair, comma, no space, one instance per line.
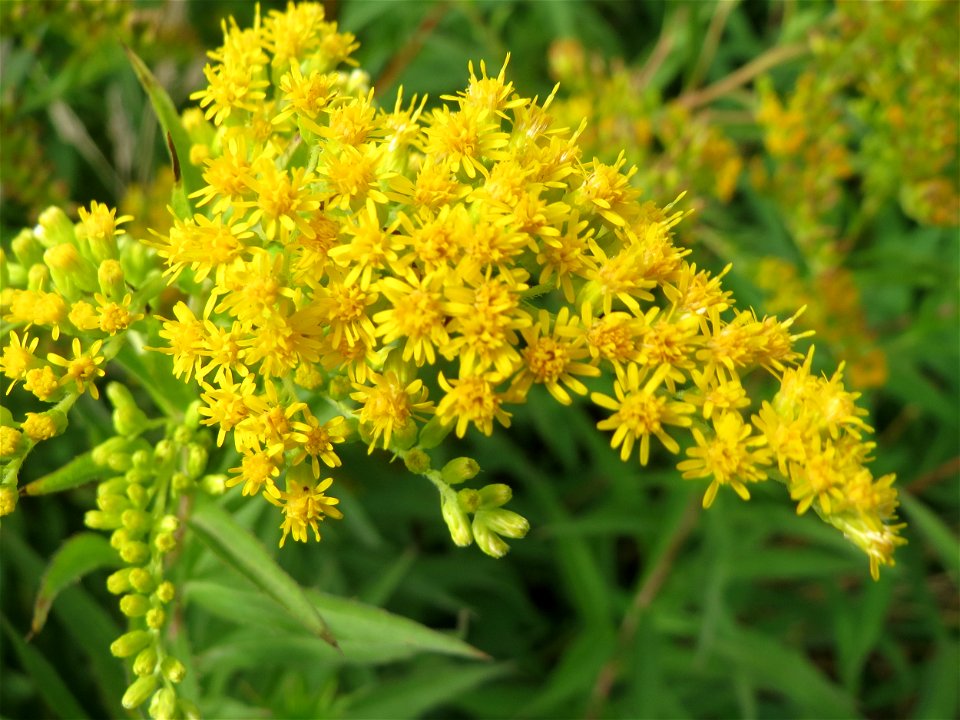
(626,599)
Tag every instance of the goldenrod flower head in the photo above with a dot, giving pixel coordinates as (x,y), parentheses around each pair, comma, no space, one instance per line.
(305,504)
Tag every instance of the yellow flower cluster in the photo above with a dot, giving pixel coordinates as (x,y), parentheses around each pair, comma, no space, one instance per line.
(408,272)
(67,301)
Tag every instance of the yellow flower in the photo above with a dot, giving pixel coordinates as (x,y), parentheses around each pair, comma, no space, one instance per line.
(18,357)
(391,405)
(42,382)
(472,399)
(416,316)
(641,411)
(84,368)
(552,357)
(317,439)
(40,426)
(256,471)
(304,505)
(730,456)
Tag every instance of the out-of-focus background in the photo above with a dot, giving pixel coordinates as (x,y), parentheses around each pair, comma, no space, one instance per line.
(817,147)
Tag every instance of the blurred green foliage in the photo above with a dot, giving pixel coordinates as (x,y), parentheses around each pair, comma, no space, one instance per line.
(626,600)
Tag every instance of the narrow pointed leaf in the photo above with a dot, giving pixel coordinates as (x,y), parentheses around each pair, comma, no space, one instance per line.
(79,555)
(77,472)
(187,178)
(241,550)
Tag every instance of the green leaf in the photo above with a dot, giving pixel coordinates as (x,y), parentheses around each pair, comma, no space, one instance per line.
(242,551)
(939,698)
(935,531)
(187,178)
(77,472)
(79,555)
(48,682)
(420,691)
(366,634)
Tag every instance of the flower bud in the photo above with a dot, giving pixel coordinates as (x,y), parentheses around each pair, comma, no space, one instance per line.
(119,581)
(417,461)
(192,417)
(137,494)
(142,459)
(135,553)
(9,441)
(214,484)
(139,691)
(110,279)
(188,709)
(504,522)
(165,592)
(456,519)
(120,537)
(459,470)
(180,482)
(339,388)
(163,451)
(163,704)
(404,436)
(54,228)
(45,425)
(196,460)
(155,618)
(27,249)
(172,669)
(101,453)
(487,540)
(146,662)
(493,496)
(165,542)
(8,499)
(136,521)
(131,643)
(134,605)
(113,486)
(72,273)
(469,500)
(113,504)
(38,277)
(99,520)
(142,580)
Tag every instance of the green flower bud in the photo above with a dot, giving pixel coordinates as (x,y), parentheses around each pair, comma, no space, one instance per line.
(142,459)
(120,537)
(110,279)
(113,486)
(146,662)
(192,417)
(137,494)
(131,643)
(113,504)
(55,228)
(182,435)
(417,461)
(38,277)
(433,433)
(136,475)
(196,460)
(163,704)
(180,482)
(27,249)
(98,520)
(156,618)
(456,519)
(487,540)
(469,500)
(172,669)
(136,521)
(165,592)
(493,496)
(119,581)
(504,522)
(139,691)
(101,453)
(134,605)
(459,470)
(165,542)
(214,484)
(135,553)
(142,580)
(164,451)
(137,263)
(72,273)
